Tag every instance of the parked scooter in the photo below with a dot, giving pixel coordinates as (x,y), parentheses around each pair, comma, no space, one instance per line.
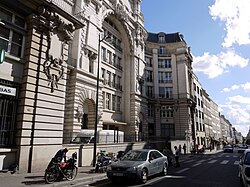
(102,162)
(58,170)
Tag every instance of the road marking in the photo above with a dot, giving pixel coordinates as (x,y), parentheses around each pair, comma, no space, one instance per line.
(196,164)
(189,161)
(181,171)
(212,161)
(228,156)
(235,156)
(236,162)
(202,160)
(224,162)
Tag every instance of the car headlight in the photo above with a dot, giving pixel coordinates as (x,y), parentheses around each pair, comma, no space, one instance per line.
(132,169)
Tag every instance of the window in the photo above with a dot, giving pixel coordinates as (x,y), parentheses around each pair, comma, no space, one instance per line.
(103,54)
(167,130)
(148,61)
(161,38)
(109,57)
(113,102)
(113,79)
(194,85)
(12,33)
(108,101)
(165,92)
(149,76)
(118,106)
(149,91)
(150,111)
(166,112)
(109,78)
(162,50)
(168,63)
(165,77)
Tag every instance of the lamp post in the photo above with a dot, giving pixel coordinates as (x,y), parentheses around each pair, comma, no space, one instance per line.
(97,93)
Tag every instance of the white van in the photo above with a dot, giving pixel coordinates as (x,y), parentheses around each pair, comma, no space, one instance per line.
(86,136)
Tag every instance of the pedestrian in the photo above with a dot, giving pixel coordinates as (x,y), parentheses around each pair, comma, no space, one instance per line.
(184,148)
(180,148)
(177,154)
(59,156)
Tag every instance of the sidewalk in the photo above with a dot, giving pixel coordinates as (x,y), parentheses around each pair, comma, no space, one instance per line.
(85,175)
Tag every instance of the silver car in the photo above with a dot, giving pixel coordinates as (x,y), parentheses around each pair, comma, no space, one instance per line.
(138,164)
(244,168)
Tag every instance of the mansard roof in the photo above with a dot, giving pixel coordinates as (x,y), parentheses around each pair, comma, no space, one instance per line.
(169,38)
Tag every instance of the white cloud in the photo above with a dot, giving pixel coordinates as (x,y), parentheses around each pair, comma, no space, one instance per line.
(238,115)
(245,87)
(236,15)
(239,99)
(215,65)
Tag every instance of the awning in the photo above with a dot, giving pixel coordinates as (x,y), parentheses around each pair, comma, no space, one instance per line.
(114,122)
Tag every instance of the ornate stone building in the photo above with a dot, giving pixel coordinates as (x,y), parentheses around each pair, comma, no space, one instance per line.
(48,80)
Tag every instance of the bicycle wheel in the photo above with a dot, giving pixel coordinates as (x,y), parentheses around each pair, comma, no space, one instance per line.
(51,175)
(71,173)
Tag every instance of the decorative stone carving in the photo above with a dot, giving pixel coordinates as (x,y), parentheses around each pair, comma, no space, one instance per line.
(56,24)
(54,70)
(121,12)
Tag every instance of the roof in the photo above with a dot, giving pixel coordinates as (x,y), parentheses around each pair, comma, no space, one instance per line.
(169,38)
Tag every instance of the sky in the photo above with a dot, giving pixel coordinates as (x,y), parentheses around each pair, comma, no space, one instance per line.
(218,33)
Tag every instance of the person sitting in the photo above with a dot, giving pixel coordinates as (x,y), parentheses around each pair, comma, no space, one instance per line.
(59,156)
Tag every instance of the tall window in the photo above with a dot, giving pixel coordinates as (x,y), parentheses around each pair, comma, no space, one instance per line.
(165,77)
(113,102)
(118,106)
(148,61)
(167,130)
(149,91)
(162,50)
(168,63)
(149,76)
(165,92)
(103,54)
(161,38)
(108,100)
(12,33)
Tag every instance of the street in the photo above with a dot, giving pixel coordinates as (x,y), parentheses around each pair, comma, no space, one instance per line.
(209,170)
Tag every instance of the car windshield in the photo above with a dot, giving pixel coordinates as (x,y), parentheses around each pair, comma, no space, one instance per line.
(135,156)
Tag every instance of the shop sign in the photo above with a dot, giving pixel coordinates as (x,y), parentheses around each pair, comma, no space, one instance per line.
(7,90)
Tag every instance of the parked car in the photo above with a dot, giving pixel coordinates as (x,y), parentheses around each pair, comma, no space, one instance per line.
(242,148)
(228,149)
(138,164)
(244,168)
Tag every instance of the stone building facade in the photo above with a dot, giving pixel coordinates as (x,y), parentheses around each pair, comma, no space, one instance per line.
(169,87)
(49,76)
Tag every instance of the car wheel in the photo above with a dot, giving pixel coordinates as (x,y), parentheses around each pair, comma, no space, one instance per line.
(144,176)
(165,170)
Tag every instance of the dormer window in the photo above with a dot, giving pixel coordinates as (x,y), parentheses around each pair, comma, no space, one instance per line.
(161,38)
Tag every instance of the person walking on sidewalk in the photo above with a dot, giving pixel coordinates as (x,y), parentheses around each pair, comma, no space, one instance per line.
(177,154)
(184,148)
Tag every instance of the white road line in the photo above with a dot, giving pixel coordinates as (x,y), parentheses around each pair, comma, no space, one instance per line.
(189,161)
(202,160)
(224,162)
(181,171)
(236,162)
(228,156)
(212,161)
(196,164)
(235,156)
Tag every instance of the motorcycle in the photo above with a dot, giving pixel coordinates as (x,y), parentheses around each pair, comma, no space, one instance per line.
(102,162)
(66,170)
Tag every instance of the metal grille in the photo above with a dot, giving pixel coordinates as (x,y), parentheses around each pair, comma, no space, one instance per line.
(8,106)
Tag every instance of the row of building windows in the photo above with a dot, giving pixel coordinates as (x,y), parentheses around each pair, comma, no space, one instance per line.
(196,88)
(162,63)
(163,77)
(115,42)
(199,114)
(200,127)
(111,58)
(111,102)
(111,79)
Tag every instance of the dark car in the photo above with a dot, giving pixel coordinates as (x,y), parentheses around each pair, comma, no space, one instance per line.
(242,148)
(138,164)
(228,149)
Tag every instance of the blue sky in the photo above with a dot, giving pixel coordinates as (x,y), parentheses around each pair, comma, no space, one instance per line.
(218,32)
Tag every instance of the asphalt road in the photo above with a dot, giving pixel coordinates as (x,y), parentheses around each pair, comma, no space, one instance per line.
(212,170)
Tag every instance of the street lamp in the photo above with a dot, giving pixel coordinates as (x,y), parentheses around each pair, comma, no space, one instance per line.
(106,38)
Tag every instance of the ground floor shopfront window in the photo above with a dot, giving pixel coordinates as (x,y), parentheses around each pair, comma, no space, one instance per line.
(8,108)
